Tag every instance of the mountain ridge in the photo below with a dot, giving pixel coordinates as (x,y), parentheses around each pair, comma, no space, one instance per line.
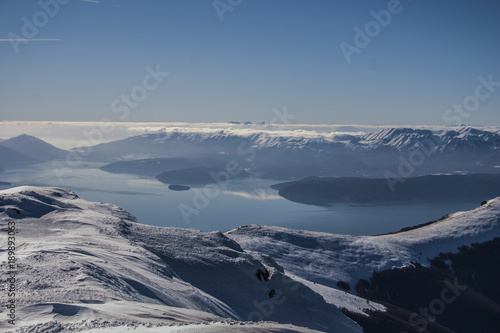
(80,259)
(299,154)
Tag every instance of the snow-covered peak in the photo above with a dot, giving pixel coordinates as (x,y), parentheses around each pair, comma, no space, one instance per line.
(92,265)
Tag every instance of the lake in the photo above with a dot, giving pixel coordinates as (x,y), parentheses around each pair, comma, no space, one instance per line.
(241,202)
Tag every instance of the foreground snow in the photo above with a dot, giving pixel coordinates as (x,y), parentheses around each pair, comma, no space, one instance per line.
(84,265)
(211,327)
(350,258)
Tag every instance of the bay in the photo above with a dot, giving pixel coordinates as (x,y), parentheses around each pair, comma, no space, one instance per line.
(238,203)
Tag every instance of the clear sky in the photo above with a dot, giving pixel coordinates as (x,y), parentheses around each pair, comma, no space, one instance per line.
(239,60)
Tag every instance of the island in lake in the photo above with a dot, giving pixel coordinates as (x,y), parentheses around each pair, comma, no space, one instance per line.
(179,187)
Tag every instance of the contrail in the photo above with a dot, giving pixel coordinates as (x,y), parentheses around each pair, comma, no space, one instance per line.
(30,39)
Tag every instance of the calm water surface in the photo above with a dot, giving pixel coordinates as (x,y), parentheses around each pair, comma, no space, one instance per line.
(241,202)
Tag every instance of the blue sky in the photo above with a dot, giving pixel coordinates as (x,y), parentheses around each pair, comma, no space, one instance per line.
(264,54)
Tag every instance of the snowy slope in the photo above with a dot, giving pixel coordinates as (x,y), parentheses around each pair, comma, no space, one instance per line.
(86,265)
(350,258)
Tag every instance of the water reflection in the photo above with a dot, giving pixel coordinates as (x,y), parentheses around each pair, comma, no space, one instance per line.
(256,194)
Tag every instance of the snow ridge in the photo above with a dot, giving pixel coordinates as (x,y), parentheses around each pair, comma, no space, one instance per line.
(91,265)
(306,253)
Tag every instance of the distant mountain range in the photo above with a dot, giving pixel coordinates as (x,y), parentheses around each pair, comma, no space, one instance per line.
(111,273)
(280,154)
(300,154)
(172,140)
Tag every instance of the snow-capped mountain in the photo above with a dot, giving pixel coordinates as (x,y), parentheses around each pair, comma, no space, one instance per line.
(465,139)
(280,153)
(396,138)
(301,153)
(90,266)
